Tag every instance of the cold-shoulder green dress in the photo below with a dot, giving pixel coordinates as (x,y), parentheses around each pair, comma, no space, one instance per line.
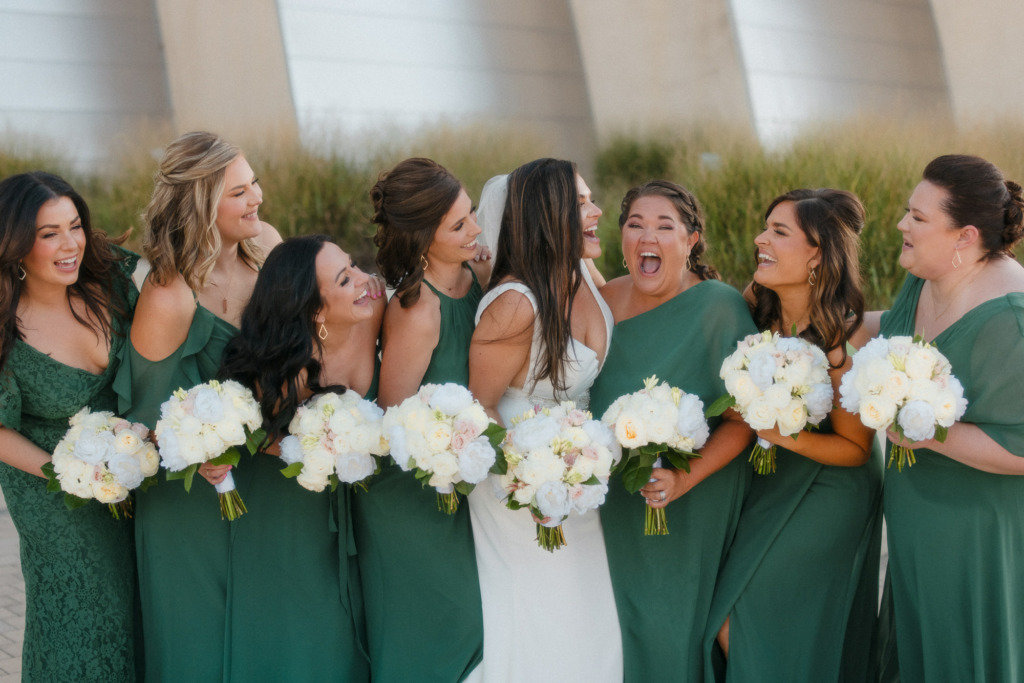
(183,548)
(956,534)
(78,565)
(417,564)
(663,584)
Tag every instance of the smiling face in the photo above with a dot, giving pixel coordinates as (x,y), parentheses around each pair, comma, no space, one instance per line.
(237,210)
(342,287)
(59,247)
(455,238)
(784,255)
(656,244)
(589,215)
(929,236)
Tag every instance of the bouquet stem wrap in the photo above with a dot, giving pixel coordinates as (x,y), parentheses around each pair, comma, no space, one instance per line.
(550,538)
(762,456)
(231,505)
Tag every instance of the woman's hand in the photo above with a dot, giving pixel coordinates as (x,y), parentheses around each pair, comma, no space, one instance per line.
(483,252)
(665,486)
(214,473)
(375,286)
(930,444)
(773,436)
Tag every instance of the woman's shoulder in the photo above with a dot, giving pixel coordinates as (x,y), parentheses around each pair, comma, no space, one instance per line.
(269,237)
(163,306)
(423,315)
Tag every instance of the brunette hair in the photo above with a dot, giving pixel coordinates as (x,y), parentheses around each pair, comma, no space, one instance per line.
(21,197)
(689,210)
(831,220)
(981,196)
(409,203)
(541,244)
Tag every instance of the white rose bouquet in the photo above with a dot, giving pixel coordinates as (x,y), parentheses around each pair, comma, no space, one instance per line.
(102,456)
(775,381)
(659,421)
(334,438)
(443,435)
(555,461)
(906,384)
(208,423)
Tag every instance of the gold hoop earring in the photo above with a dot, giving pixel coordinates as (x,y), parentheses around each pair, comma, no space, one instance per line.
(624,262)
(423,261)
(957,259)
(21,272)
(322,332)
(810,277)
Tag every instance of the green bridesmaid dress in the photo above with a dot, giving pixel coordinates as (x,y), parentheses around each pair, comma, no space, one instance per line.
(956,534)
(663,584)
(78,565)
(182,545)
(417,564)
(800,582)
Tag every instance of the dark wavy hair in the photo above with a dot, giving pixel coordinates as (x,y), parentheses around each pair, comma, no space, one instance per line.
(688,208)
(409,202)
(21,197)
(541,244)
(831,220)
(277,340)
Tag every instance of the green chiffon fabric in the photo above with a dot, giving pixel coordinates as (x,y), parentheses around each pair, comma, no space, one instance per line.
(78,565)
(956,534)
(800,582)
(663,584)
(417,564)
(182,545)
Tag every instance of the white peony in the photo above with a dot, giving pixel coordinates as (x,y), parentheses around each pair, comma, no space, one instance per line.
(475,460)
(917,418)
(451,398)
(126,470)
(354,467)
(291,449)
(207,405)
(552,499)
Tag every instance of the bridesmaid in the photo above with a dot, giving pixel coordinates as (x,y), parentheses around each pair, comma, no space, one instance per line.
(956,518)
(801,578)
(310,326)
(66,298)
(417,564)
(676,320)
(205,243)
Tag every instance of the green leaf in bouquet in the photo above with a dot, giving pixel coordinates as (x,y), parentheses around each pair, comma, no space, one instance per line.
(680,459)
(335,482)
(495,433)
(636,475)
(593,480)
(186,474)
(500,465)
(253,440)
(72,502)
(52,485)
(147,482)
(422,476)
(231,456)
(720,405)
(464,487)
(941,433)
(292,470)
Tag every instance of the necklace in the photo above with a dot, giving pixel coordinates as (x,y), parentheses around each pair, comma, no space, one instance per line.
(224,293)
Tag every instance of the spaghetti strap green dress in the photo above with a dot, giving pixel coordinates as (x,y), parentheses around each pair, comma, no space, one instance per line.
(800,583)
(78,565)
(182,546)
(417,564)
(663,584)
(956,534)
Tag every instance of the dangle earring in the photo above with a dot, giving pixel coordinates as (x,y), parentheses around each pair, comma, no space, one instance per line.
(624,262)
(322,332)
(957,259)
(689,265)
(423,260)
(810,277)
(21,272)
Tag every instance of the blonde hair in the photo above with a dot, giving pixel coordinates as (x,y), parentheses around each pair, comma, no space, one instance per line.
(181,218)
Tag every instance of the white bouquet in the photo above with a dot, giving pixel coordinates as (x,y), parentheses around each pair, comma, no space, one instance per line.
(102,456)
(775,381)
(659,421)
(334,437)
(443,435)
(907,384)
(556,460)
(206,424)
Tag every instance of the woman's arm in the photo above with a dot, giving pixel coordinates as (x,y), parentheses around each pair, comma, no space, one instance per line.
(17,451)
(868,330)
(410,337)
(500,350)
(968,444)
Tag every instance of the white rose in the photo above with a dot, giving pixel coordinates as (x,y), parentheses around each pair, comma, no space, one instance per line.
(630,432)
(108,491)
(450,398)
(312,481)
(476,460)
(207,405)
(445,465)
(778,396)
(439,436)
(917,420)
(741,387)
(877,412)
(353,467)
(919,363)
(792,418)
(318,461)
(230,432)
(149,460)
(306,422)
(291,449)
(213,445)
(760,415)
(534,469)
(524,494)
(127,441)
(476,415)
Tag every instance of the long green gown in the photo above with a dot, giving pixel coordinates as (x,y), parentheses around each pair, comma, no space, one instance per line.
(78,564)
(800,581)
(663,584)
(956,534)
(182,545)
(417,564)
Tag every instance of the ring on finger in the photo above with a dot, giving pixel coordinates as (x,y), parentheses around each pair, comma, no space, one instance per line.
(664,495)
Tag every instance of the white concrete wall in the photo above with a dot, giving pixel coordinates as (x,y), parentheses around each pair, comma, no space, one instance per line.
(77,73)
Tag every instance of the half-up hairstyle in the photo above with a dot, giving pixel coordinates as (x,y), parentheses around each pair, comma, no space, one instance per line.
(541,244)
(981,196)
(689,210)
(409,203)
(21,197)
(277,341)
(831,220)
(181,218)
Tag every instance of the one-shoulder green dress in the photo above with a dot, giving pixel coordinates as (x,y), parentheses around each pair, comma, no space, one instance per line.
(663,584)
(417,564)
(956,534)
(182,545)
(800,582)
(78,565)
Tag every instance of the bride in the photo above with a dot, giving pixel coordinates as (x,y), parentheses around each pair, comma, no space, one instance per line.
(542,334)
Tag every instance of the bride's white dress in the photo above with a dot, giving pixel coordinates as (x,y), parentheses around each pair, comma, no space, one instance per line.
(548,616)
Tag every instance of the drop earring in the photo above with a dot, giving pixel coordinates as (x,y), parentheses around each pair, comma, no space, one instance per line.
(810,277)
(957,259)
(21,272)
(322,332)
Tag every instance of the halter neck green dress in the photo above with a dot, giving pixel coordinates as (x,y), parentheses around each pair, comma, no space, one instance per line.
(417,564)
(800,582)
(956,534)
(78,564)
(663,584)
(182,545)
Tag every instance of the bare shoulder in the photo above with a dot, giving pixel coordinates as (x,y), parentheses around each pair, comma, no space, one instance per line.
(509,317)
(269,237)
(162,318)
(615,292)
(370,328)
(422,317)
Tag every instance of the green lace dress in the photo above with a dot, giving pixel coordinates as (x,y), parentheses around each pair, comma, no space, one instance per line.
(956,534)
(182,545)
(663,584)
(78,565)
(418,565)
